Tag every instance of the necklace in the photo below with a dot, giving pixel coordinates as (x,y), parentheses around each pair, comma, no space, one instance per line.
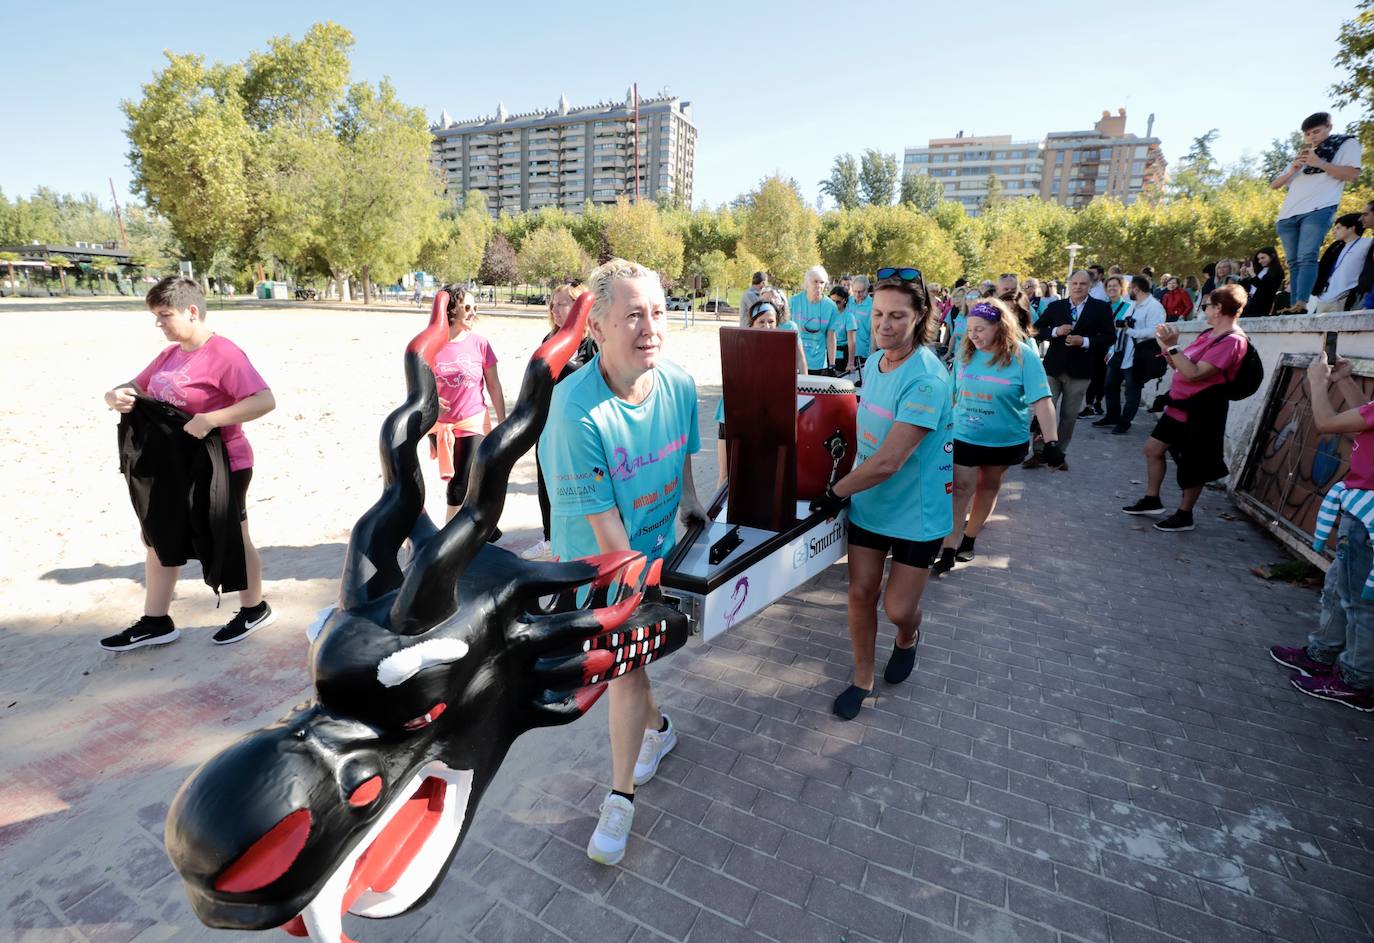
(890,363)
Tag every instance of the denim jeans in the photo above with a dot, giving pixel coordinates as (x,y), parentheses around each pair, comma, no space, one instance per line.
(1346,627)
(1115,378)
(1302,238)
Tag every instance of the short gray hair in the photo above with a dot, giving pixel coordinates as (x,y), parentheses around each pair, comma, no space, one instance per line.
(860,280)
(602,281)
(818,271)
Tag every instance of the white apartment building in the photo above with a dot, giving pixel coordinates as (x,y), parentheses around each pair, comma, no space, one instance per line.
(964,165)
(569,156)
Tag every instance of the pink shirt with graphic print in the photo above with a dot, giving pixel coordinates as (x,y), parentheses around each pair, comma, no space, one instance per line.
(459,370)
(214,375)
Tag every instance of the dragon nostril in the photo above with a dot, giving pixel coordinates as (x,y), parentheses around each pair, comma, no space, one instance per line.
(427,718)
(366,793)
(269,857)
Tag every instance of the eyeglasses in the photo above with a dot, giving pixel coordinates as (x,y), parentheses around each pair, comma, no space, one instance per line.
(901,274)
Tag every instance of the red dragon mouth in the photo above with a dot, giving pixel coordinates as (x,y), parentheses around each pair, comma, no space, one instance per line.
(396,862)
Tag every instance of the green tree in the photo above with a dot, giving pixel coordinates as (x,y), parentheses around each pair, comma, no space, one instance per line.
(550,255)
(499,265)
(705,231)
(9,258)
(454,250)
(104,268)
(780,230)
(994,193)
(382,197)
(152,242)
(635,232)
(921,190)
(191,148)
(842,185)
(1198,172)
(61,263)
(589,228)
(1279,155)
(1355,56)
(870,237)
(878,177)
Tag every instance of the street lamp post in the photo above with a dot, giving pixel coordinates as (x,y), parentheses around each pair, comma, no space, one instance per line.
(1073,248)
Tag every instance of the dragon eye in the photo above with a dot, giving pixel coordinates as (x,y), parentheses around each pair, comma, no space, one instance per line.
(427,718)
(269,857)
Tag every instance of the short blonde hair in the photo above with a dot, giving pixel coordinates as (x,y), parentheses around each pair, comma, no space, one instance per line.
(602,281)
(568,288)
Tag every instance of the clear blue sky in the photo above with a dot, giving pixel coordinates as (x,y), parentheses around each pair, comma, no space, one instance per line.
(776,86)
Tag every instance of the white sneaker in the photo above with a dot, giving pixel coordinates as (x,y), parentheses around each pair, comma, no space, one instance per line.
(655,747)
(607,844)
(537,551)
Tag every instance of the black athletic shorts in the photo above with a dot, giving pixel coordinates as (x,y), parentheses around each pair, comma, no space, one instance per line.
(918,553)
(1196,460)
(977,456)
(238,487)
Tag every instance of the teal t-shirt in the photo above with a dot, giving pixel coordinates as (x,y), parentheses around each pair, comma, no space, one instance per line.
(599,452)
(842,329)
(992,403)
(813,320)
(1120,310)
(862,312)
(915,503)
(957,330)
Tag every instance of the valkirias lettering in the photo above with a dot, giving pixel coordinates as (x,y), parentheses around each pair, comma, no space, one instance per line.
(819,545)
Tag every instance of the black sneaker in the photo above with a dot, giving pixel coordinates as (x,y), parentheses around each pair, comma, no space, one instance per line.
(1146,505)
(1104,421)
(944,563)
(1179,520)
(965,552)
(148,630)
(1086,413)
(245,623)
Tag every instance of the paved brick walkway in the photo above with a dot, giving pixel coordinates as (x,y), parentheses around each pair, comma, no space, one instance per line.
(1094,746)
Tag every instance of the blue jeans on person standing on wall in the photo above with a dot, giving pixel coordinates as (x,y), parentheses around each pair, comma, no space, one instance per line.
(1302,238)
(1346,627)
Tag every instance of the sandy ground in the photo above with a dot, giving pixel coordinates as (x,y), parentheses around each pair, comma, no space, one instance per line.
(79,727)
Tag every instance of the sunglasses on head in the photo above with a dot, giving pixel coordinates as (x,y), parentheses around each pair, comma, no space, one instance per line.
(901,274)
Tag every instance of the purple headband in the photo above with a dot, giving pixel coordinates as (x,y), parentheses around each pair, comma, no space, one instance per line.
(985,311)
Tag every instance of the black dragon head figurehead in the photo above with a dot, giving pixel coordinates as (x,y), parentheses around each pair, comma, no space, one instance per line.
(357,801)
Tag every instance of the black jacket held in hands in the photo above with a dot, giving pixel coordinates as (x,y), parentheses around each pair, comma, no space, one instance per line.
(179,486)
(1094,323)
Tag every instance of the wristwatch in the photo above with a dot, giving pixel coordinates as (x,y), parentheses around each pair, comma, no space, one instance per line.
(1173,350)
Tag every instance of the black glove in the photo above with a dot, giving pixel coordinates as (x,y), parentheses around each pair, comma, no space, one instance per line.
(1053,454)
(829,502)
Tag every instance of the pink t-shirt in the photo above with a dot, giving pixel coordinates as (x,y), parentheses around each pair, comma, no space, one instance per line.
(1225,354)
(458,369)
(214,375)
(1361,474)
